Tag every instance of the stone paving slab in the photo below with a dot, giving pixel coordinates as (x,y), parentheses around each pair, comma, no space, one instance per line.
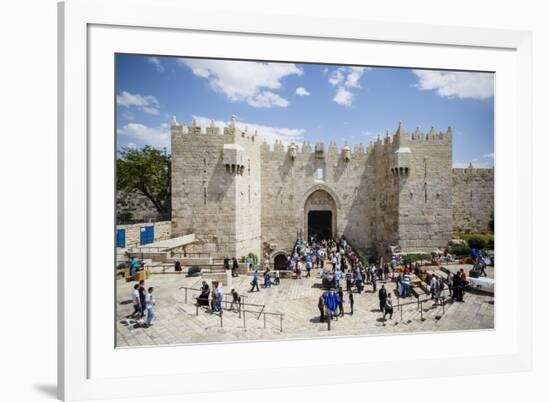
(176,322)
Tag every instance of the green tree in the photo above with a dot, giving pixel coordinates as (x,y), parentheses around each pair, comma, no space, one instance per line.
(146,171)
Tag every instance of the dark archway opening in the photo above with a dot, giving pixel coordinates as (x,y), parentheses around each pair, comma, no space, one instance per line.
(319,224)
(280,262)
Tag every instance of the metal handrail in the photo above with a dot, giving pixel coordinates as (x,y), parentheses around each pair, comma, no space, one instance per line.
(242,310)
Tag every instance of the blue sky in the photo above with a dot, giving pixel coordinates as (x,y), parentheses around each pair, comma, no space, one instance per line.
(294,102)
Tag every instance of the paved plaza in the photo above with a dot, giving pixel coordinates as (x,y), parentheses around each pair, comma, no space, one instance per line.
(176,321)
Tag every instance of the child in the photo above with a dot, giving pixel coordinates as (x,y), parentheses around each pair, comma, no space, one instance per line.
(149,303)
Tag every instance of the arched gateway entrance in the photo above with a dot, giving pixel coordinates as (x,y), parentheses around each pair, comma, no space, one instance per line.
(320,215)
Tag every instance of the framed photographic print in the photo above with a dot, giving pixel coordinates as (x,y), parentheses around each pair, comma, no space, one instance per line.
(254,185)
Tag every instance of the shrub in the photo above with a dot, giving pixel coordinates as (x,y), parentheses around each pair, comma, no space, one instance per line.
(477,242)
(459,249)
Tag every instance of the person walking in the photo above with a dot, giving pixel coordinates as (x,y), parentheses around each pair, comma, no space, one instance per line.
(388,307)
(236,300)
(321,306)
(349,278)
(149,304)
(267,279)
(254,282)
(142,297)
(382,296)
(136,302)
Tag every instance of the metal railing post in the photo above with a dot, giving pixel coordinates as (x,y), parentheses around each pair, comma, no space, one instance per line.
(421,312)
(265,322)
(328,318)
(244,318)
(221,319)
(185,295)
(197,307)
(281,319)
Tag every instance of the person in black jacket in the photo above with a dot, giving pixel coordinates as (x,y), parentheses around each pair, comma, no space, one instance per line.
(382,296)
(226,263)
(321,306)
(235,268)
(457,284)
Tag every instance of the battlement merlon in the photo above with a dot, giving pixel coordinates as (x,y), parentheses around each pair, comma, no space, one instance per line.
(230,132)
(400,138)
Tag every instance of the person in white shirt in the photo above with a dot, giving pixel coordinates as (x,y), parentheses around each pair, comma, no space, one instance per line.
(149,304)
(136,302)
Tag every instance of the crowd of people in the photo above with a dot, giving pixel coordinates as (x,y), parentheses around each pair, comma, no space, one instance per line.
(338,267)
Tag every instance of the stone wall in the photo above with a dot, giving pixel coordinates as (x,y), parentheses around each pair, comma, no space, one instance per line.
(135,207)
(425,192)
(212,173)
(289,179)
(161,231)
(473,199)
(239,196)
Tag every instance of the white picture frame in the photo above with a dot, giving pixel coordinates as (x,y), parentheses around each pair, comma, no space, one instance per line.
(84,340)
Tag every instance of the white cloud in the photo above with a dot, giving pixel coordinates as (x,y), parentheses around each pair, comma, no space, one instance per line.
(149,104)
(151,110)
(456,84)
(267,133)
(355,73)
(336,77)
(243,81)
(156,62)
(267,99)
(157,137)
(301,91)
(345,78)
(343,97)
